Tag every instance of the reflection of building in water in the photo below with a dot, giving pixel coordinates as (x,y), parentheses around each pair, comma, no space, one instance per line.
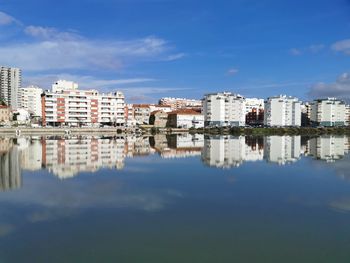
(10,173)
(137,146)
(282,149)
(67,157)
(30,153)
(229,151)
(328,147)
(178,145)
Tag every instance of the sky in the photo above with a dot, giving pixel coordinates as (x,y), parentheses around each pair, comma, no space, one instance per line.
(183,48)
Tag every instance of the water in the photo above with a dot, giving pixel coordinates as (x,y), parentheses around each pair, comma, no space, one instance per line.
(175,199)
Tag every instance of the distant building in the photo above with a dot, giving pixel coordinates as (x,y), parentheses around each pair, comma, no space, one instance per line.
(328,112)
(224,109)
(282,111)
(10,83)
(159,119)
(62,85)
(180,103)
(5,113)
(82,108)
(254,111)
(142,112)
(185,118)
(305,114)
(29,98)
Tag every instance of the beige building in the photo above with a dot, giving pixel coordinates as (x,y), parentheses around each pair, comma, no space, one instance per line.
(159,119)
(5,113)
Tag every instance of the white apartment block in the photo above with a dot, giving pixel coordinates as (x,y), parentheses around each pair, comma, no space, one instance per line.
(224,109)
(328,112)
(83,108)
(282,149)
(282,111)
(29,98)
(180,103)
(10,83)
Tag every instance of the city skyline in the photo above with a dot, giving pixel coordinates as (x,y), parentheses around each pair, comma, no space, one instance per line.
(152,49)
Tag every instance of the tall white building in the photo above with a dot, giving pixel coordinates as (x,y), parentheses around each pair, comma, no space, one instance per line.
(224,109)
(29,98)
(282,111)
(10,82)
(328,112)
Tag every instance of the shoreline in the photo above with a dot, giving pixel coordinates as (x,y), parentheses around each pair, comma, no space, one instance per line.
(152,131)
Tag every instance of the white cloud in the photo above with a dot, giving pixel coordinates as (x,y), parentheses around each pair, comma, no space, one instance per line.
(340,88)
(49,33)
(58,54)
(6,19)
(315,48)
(295,51)
(175,57)
(342,46)
(232,71)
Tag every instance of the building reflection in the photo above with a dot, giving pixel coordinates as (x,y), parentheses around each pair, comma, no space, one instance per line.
(66,157)
(328,147)
(10,172)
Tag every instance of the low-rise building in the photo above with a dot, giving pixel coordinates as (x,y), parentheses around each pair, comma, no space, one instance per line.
(282,111)
(5,113)
(224,109)
(142,112)
(185,118)
(159,119)
(328,112)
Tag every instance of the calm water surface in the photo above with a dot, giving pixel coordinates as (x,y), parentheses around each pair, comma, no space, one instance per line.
(185,198)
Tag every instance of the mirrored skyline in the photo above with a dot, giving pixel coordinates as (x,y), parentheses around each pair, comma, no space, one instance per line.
(67,157)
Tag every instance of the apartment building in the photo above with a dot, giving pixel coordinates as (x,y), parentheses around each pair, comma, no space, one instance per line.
(142,113)
(73,107)
(347,115)
(224,109)
(29,98)
(328,112)
(180,103)
(10,83)
(185,118)
(282,111)
(254,111)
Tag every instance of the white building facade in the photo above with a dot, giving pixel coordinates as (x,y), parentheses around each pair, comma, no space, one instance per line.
(282,111)
(29,98)
(224,109)
(186,119)
(82,108)
(328,112)
(10,83)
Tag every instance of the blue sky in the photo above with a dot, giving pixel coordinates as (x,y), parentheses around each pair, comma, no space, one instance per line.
(154,48)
